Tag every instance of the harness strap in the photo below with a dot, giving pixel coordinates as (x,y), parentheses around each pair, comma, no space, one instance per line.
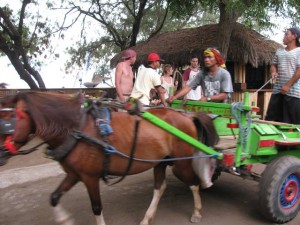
(65,148)
(132,151)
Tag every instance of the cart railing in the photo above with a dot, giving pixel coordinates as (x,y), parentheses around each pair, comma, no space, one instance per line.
(257,141)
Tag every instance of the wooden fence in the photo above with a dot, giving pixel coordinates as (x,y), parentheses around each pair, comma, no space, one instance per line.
(95,92)
(260,99)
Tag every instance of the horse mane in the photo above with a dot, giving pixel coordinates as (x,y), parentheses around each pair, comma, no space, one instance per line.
(204,123)
(54,114)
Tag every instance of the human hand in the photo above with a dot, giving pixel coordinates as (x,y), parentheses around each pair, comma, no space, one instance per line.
(171,99)
(285,89)
(155,102)
(274,75)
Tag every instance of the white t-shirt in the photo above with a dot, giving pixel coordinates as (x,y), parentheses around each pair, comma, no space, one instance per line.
(287,63)
(147,78)
(167,86)
(193,94)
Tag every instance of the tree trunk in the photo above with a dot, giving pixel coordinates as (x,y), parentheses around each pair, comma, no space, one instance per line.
(226,25)
(24,74)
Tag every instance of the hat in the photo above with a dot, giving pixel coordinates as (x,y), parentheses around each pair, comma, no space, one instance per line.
(296,31)
(128,53)
(152,57)
(215,53)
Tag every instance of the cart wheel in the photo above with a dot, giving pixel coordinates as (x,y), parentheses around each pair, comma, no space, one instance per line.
(280,189)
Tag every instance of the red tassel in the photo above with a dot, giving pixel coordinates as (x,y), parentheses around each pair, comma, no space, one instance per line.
(9,145)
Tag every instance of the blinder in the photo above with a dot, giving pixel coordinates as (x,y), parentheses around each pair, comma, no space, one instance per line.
(21,114)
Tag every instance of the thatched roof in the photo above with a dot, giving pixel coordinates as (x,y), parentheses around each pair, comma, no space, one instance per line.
(246,46)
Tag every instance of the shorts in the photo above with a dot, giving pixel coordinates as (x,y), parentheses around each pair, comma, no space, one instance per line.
(284,108)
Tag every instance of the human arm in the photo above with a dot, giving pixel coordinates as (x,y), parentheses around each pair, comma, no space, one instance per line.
(186,75)
(285,89)
(181,93)
(273,70)
(215,98)
(161,93)
(118,76)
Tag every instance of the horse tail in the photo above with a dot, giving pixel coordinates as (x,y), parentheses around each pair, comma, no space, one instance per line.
(207,133)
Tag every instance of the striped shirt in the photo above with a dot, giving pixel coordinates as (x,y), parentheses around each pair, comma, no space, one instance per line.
(287,63)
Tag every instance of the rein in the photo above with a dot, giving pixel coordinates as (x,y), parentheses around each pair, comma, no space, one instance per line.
(32,149)
(132,151)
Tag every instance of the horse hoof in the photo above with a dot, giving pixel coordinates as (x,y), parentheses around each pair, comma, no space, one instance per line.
(196,219)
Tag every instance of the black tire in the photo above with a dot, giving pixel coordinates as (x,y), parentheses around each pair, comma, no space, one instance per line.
(279,191)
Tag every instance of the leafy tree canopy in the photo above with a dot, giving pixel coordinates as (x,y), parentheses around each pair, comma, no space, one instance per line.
(24,38)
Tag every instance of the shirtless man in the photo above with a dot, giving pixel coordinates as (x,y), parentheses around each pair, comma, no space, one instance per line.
(124,75)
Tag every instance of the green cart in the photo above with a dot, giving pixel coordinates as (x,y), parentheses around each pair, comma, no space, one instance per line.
(276,146)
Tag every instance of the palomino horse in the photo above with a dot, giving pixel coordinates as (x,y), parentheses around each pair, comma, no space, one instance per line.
(69,127)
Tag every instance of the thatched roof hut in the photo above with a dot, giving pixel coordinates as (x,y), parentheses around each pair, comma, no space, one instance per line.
(246,46)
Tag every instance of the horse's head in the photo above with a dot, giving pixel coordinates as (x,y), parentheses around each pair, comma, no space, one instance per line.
(24,125)
(51,116)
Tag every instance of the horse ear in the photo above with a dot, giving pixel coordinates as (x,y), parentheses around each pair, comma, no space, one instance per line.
(78,97)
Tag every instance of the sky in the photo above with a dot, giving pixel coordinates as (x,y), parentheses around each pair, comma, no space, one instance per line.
(54,76)
(53,73)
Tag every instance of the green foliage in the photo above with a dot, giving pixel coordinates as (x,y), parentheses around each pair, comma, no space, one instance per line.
(255,14)
(25,35)
(35,34)
(119,24)
(124,24)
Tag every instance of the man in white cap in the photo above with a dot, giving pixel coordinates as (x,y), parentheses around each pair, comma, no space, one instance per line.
(124,75)
(147,79)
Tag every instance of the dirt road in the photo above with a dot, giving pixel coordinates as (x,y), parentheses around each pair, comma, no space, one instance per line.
(29,180)
(231,201)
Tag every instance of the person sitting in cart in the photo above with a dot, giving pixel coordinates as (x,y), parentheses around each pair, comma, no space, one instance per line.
(214,79)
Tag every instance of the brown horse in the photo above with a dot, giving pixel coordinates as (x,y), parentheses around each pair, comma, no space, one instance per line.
(69,127)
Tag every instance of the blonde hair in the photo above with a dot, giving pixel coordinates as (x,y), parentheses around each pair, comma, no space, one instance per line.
(166,67)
